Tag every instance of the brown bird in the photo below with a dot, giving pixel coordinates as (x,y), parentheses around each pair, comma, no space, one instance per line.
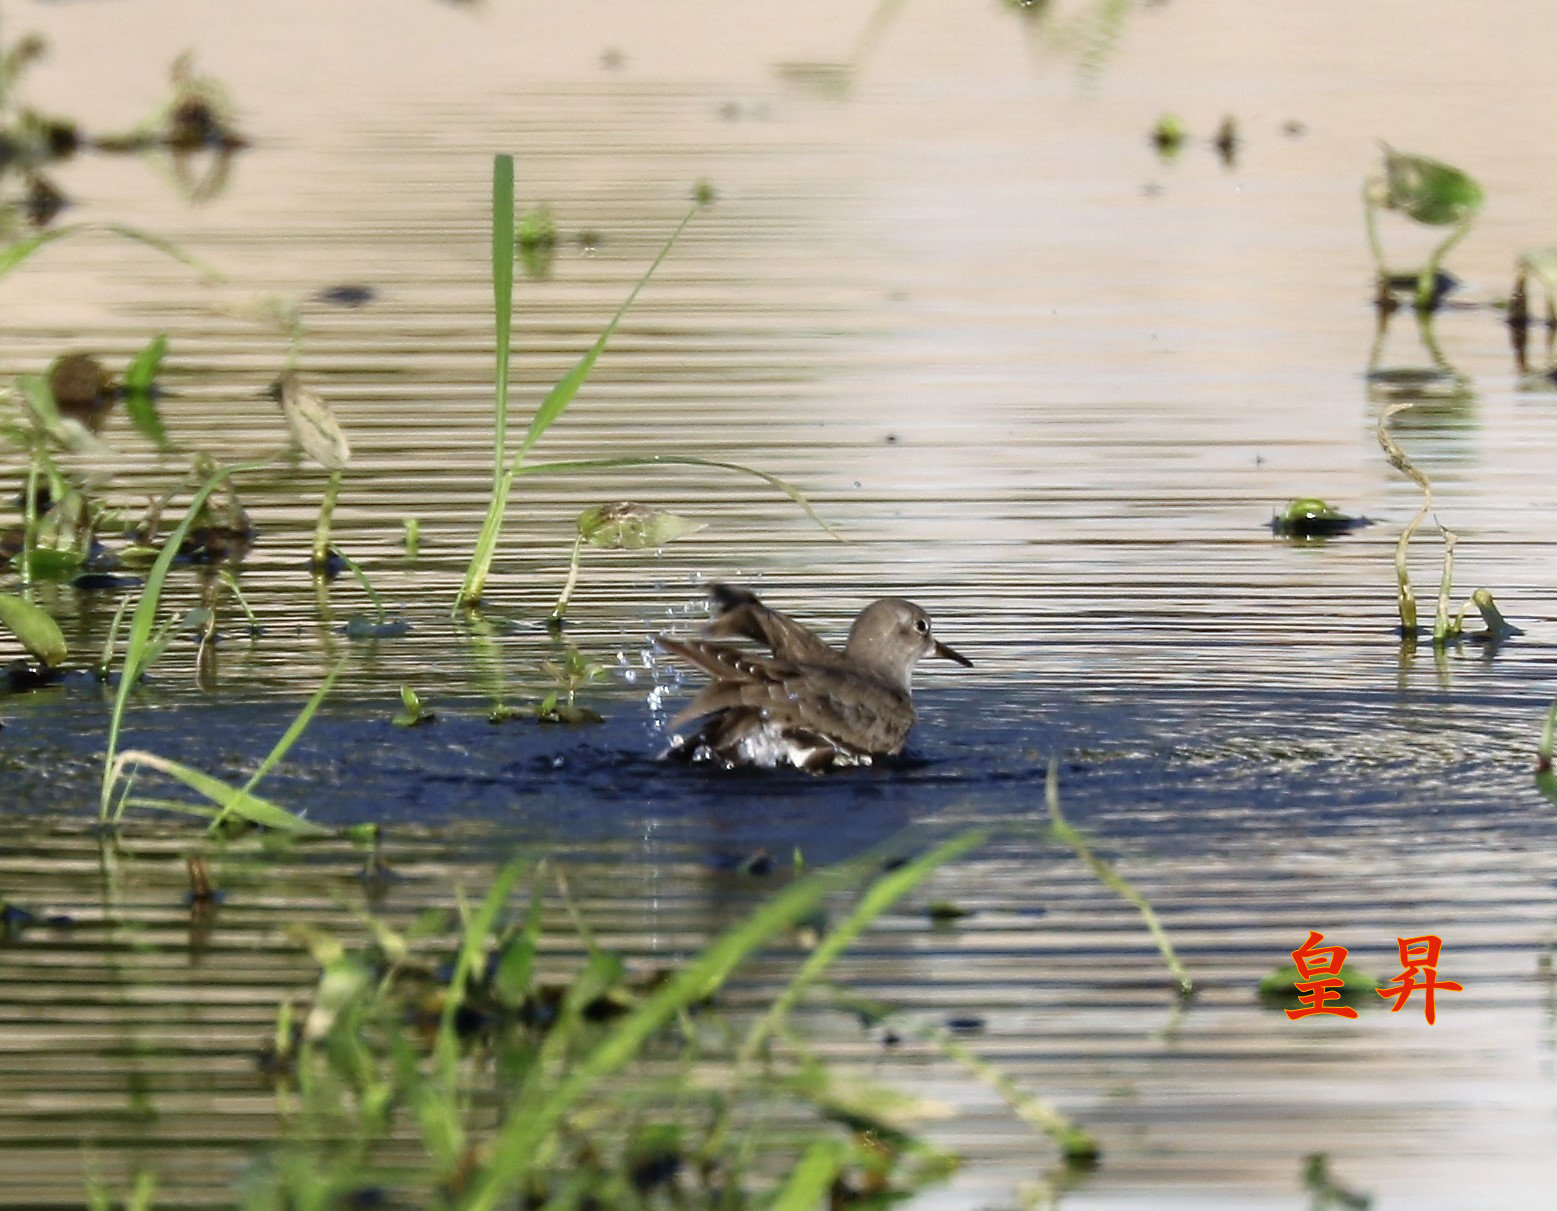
(808,704)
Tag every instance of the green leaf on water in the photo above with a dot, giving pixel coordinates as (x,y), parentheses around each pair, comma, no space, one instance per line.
(1428,191)
(139,380)
(632,527)
(38,633)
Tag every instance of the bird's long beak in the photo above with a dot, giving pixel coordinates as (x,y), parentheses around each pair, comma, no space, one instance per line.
(947,653)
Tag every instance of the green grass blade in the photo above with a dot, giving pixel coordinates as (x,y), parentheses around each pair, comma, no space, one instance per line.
(230,799)
(142,622)
(142,371)
(556,400)
(502,302)
(812,1178)
(1113,880)
(568,386)
(362,579)
(168,249)
(678,460)
(472,948)
(288,738)
(139,379)
(880,896)
(14,255)
(528,1124)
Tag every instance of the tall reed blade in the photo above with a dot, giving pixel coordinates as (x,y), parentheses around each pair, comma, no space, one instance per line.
(502,308)
(557,399)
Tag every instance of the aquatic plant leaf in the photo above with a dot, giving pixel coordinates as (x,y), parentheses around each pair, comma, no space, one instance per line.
(1112,879)
(288,739)
(414,713)
(53,563)
(811,1180)
(32,626)
(139,384)
(632,527)
(536,228)
(313,425)
(1428,191)
(17,253)
(141,373)
(230,799)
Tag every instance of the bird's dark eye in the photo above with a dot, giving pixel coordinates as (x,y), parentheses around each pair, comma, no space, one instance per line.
(922,625)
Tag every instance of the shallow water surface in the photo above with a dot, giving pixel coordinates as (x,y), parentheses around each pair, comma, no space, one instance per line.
(1041,381)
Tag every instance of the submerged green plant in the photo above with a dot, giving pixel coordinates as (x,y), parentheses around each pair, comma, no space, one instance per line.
(1425,191)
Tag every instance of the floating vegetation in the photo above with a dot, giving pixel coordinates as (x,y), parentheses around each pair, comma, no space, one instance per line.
(1446,629)
(536,234)
(1430,193)
(1310,517)
(1278,989)
(620,527)
(1168,136)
